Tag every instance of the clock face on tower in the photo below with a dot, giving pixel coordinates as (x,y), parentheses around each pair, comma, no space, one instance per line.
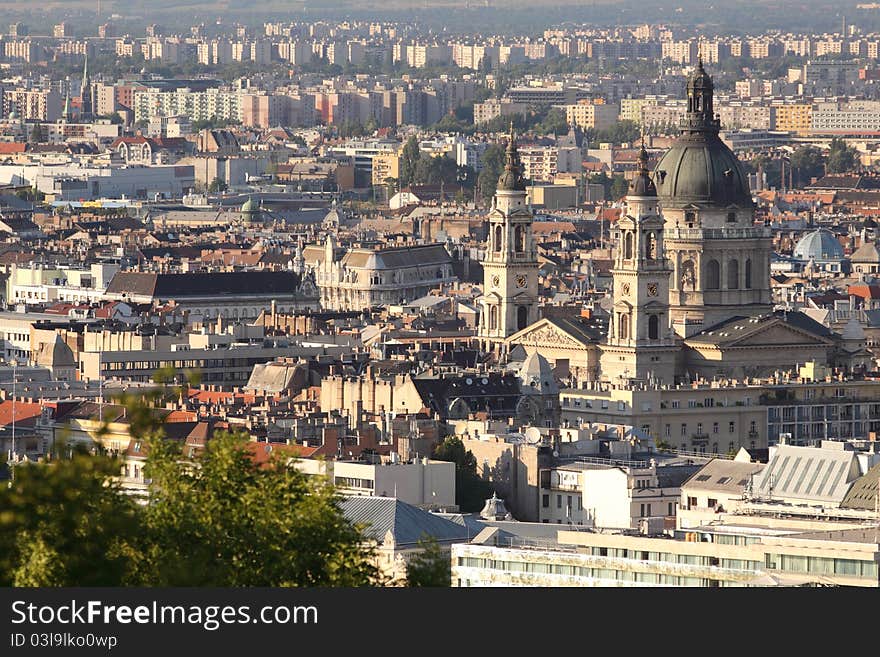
(652,289)
(521,281)
(495,281)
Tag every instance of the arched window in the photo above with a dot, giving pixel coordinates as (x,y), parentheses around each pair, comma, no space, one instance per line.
(713,275)
(733,275)
(749,274)
(497,241)
(624,326)
(522,317)
(519,234)
(493,317)
(651,246)
(653,327)
(628,246)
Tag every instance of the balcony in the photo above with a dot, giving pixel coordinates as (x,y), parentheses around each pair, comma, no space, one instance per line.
(700,438)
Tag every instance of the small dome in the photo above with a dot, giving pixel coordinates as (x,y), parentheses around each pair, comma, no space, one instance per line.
(819,245)
(641,184)
(250,206)
(495,509)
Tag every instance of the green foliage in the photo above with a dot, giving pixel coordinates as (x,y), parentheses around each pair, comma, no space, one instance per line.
(618,189)
(553,123)
(217,185)
(65,523)
(841,157)
(493,165)
(408,160)
(621,132)
(808,163)
(471,492)
(214,518)
(218,519)
(431,566)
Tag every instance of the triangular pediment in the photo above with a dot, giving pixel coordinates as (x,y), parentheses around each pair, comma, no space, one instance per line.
(544,333)
(777,333)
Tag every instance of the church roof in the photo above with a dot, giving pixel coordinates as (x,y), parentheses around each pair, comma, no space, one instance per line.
(867,253)
(734,329)
(819,245)
(202,284)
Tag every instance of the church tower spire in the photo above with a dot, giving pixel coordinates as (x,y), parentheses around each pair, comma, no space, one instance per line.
(510,268)
(640,342)
(86,108)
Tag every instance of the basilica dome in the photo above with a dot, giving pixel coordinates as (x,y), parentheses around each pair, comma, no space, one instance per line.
(700,169)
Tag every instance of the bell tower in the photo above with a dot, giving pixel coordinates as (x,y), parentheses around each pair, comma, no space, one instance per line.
(510,268)
(640,343)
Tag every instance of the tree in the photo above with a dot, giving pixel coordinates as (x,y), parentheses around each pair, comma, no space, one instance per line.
(808,162)
(618,187)
(842,157)
(493,165)
(471,492)
(554,122)
(431,566)
(215,518)
(409,158)
(65,523)
(217,185)
(36,133)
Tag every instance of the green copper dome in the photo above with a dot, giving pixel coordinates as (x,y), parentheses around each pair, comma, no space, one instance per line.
(700,169)
(250,206)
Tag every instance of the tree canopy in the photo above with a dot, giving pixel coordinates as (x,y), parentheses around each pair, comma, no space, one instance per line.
(214,518)
(842,157)
(471,492)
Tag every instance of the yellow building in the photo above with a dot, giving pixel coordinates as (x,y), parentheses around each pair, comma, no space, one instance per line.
(589,114)
(385,165)
(796,118)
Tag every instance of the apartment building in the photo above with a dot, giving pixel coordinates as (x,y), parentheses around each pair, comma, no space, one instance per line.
(591,115)
(712,556)
(718,419)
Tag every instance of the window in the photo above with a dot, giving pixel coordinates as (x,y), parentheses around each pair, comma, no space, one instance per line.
(733,275)
(684,429)
(621,406)
(712,503)
(690,218)
(624,326)
(700,428)
(667,430)
(748,274)
(713,275)
(545,501)
(675,403)
(628,246)
(731,217)
(714,427)
(653,327)
(497,241)
(731,427)
(520,239)
(559,501)
(670,509)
